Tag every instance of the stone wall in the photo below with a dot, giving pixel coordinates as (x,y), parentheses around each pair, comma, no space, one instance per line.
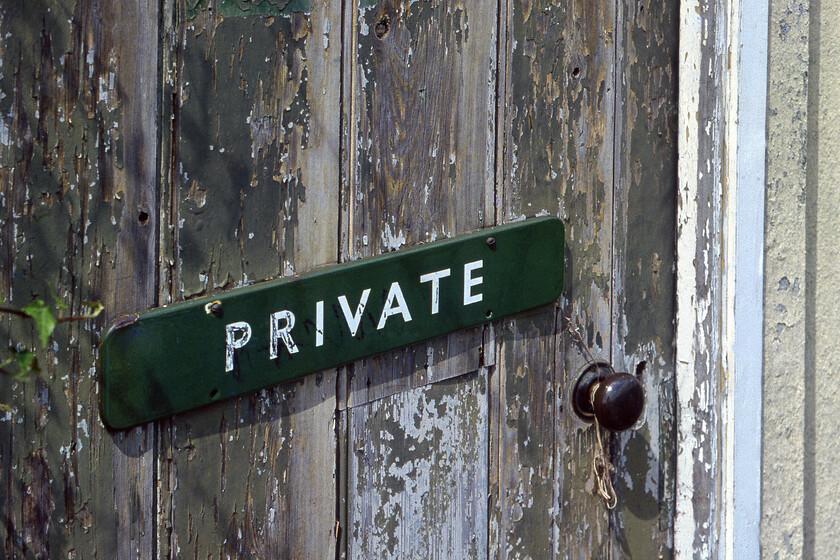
(800,497)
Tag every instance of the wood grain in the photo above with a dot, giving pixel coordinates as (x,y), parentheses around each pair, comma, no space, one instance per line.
(557,107)
(418,473)
(77,172)
(643,303)
(418,167)
(699,508)
(419,161)
(252,164)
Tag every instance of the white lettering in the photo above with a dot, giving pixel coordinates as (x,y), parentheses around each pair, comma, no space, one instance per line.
(434,278)
(395,293)
(319,323)
(469,282)
(353,320)
(283,334)
(240,328)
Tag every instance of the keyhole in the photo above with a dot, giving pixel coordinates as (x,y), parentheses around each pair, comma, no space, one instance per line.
(382,27)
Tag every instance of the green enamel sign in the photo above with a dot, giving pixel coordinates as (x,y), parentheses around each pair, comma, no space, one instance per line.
(189,354)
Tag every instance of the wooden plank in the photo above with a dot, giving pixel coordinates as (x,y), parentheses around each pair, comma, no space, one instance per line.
(556,107)
(644,251)
(418,472)
(703,39)
(252,194)
(418,166)
(77,163)
(420,155)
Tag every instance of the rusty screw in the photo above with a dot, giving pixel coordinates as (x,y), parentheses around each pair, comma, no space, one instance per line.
(491,242)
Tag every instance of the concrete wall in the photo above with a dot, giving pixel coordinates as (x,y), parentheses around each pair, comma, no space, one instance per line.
(801,400)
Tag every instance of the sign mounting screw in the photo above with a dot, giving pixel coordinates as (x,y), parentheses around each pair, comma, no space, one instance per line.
(214,308)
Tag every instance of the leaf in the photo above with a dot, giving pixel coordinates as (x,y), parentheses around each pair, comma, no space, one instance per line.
(59,304)
(94,308)
(44,319)
(26,362)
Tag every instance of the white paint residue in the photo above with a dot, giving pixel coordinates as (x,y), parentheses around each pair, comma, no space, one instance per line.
(89,59)
(103,90)
(687,310)
(392,241)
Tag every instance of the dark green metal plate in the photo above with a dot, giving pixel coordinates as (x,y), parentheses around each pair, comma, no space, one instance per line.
(190,354)
(234,8)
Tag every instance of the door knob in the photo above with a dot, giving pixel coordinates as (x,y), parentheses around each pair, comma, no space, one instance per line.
(617,400)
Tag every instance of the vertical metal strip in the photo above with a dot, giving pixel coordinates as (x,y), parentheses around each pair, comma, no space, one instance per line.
(747,271)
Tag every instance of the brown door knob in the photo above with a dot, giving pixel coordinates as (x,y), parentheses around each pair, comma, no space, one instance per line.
(616,399)
(619,402)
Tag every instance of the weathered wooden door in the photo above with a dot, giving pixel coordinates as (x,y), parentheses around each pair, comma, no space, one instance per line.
(151,152)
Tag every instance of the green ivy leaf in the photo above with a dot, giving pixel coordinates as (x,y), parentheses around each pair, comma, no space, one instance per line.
(44,319)
(26,362)
(59,304)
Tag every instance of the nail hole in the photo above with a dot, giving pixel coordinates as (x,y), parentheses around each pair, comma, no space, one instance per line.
(382,27)
(214,393)
(143,217)
(576,72)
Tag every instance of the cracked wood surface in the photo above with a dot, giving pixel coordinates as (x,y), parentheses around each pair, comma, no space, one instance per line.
(77,172)
(557,111)
(420,145)
(246,142)
(252,174)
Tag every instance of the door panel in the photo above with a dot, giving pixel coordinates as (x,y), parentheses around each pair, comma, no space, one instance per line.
(420,152)
(255,139)
(418,473)
(78,214)
(252,186)
(643,305)
(559,107)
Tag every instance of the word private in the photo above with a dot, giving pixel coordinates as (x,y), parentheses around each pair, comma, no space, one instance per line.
(281,323)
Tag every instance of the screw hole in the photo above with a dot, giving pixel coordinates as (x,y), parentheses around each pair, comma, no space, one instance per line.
(143,217)
(576,72)
(640,367)
(382,27)
(489,313)
(214,393)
